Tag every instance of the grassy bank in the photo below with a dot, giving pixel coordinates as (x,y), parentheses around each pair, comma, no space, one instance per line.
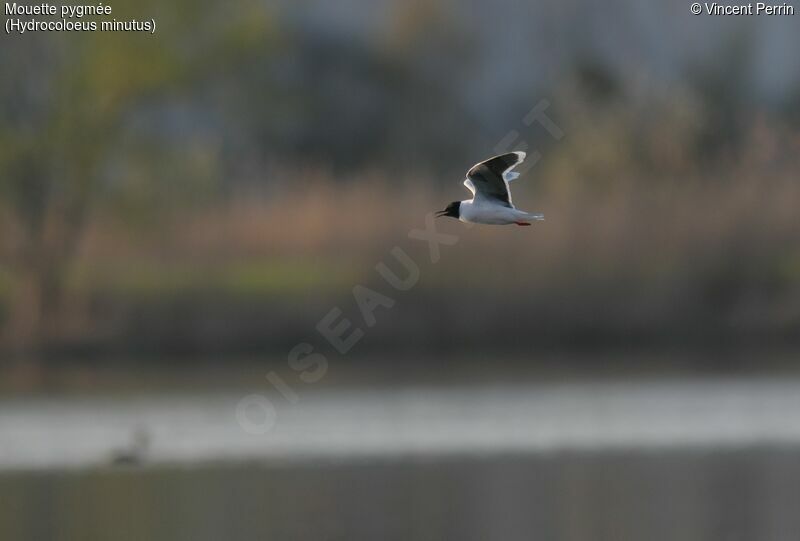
(707,258)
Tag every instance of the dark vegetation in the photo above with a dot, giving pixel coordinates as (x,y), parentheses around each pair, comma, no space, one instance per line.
(218,191)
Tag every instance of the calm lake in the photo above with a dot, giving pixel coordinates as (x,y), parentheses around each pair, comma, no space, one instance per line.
(676,458)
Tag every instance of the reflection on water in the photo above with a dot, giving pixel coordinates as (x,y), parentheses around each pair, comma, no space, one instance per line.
(638,459)
(412,421)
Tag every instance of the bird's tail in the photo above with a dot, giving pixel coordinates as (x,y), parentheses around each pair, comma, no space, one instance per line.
(534,216)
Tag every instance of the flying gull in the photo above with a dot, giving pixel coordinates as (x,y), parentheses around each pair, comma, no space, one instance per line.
(491,195)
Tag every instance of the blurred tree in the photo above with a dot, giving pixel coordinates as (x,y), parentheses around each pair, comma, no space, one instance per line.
(64,99)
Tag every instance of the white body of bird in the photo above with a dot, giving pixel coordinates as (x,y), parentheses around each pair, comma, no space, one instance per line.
(481,211)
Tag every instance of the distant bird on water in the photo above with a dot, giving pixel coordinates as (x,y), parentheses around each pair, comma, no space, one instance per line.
(491,195)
